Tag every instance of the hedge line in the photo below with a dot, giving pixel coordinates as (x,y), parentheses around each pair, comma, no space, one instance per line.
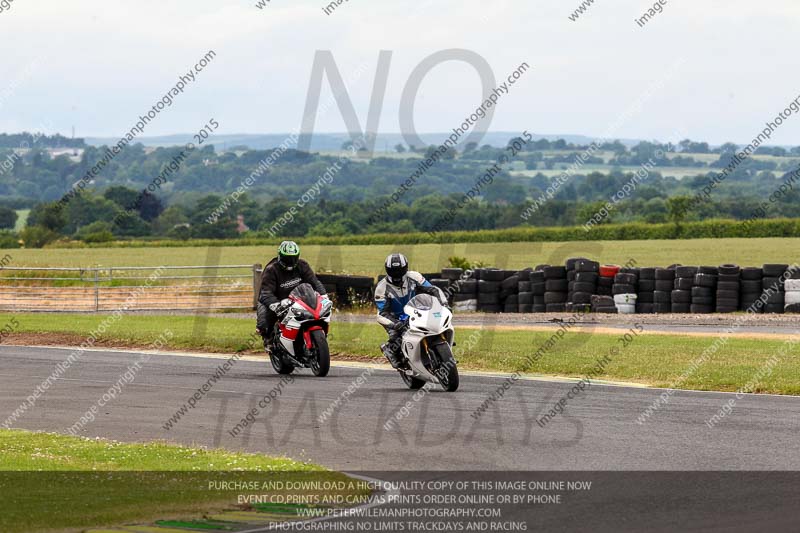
(715,228)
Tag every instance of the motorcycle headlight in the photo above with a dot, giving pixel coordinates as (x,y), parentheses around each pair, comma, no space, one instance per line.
(301,314)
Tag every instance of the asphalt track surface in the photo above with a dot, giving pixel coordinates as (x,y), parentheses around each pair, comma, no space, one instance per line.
(596,438)
(597,431)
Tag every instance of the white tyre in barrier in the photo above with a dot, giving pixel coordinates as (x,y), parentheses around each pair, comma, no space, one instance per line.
(792,297)
(626,309)
(792,285)
(625,298)
(467,306)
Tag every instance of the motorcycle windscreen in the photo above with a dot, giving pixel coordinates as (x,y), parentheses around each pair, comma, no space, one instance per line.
(306,294)
(424,302)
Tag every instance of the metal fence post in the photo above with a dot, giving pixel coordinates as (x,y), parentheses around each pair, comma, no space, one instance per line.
(96,289)
(256,284)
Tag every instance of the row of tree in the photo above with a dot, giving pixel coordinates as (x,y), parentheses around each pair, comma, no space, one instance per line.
(31,176)
(121,212)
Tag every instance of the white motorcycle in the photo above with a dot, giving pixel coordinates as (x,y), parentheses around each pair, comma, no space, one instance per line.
(427,344)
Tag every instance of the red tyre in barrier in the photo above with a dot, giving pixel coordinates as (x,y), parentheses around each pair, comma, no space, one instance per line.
(609,271)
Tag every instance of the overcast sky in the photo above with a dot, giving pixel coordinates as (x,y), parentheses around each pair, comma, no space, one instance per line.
(712,70)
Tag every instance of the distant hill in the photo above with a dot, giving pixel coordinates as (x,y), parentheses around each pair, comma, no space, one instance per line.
(324,142)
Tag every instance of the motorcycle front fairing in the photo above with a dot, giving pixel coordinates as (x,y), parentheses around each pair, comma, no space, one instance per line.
(429,321)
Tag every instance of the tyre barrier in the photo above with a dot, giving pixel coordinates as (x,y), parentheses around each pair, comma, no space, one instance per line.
(792,296)
(556,288)
(583,285)
(645,291)
(582,275)
(681,295)
(349,291)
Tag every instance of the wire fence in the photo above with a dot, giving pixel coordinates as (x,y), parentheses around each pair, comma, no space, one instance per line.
(131,288)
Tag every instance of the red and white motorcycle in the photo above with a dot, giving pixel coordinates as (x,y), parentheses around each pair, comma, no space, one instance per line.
(304,319)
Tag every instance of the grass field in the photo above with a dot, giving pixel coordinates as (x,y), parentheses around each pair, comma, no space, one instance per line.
(22,218)
(368,259)
(676,172)
(55,482)
(656,360)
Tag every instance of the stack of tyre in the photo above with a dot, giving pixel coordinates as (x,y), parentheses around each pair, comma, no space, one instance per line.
(662,295)
(681,296)
(624,290)
(751,286)
(605,281)
(704,290)
(569,264)
(603,304)
(645,290)
(792,293)
(444,285)
(464,290)
(349,290)
(537,290)
(329,282)
(509,291)
(489,280)
(728,288)
(556,287)
(524,295)
(772,282)
(582,277)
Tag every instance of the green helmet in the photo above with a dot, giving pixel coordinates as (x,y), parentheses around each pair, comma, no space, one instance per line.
(288,254)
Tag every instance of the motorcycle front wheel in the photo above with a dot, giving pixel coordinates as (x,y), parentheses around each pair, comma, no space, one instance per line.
(448,372)
(321,359)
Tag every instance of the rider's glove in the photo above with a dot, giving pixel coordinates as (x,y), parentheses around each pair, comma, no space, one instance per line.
(400,325)
(277,307)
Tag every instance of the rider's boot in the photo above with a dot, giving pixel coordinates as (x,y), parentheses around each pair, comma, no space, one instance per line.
(391,354)
(264,337)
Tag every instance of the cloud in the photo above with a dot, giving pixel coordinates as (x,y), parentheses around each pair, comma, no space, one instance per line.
(108,61)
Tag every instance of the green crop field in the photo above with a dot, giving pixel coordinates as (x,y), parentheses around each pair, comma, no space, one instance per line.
(676,172)
(368,259)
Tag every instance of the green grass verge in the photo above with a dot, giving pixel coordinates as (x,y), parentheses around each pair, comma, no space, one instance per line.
(26,451)
(54,482)
(368,259)
(652,359)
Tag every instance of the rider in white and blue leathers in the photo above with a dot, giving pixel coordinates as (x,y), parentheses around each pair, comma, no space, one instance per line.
(391,295)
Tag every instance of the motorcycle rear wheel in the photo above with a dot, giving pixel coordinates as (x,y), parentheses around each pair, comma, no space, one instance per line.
(411,382)
(321,361)
(280,366)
